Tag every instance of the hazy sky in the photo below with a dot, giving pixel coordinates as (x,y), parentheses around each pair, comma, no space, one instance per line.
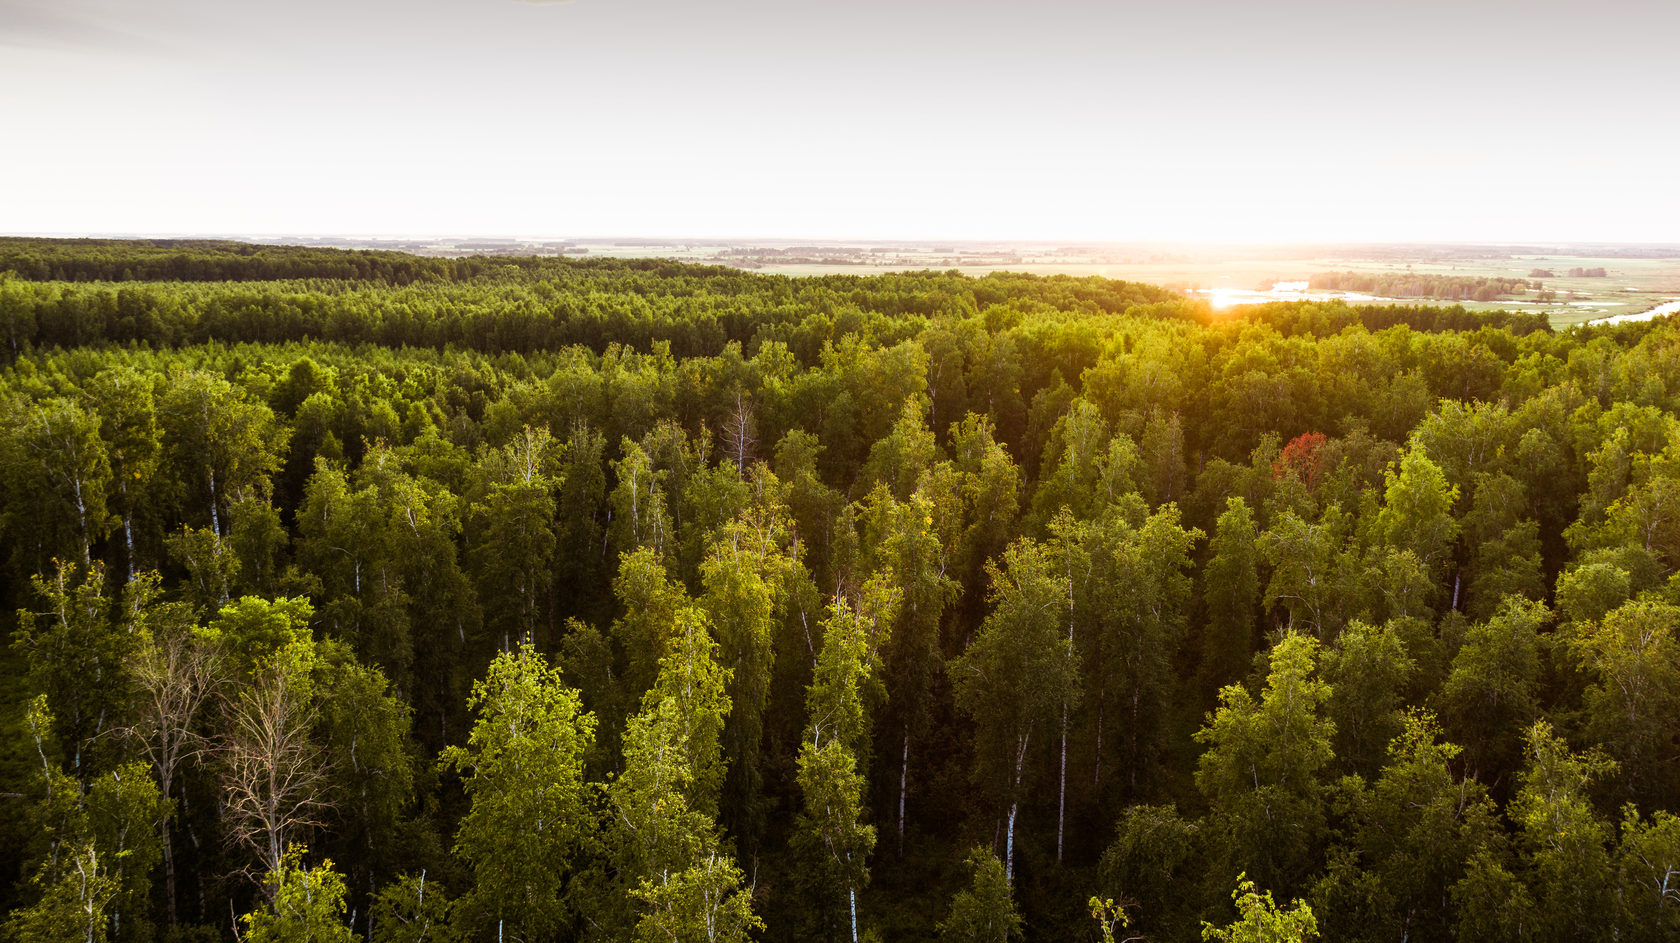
(1054,119)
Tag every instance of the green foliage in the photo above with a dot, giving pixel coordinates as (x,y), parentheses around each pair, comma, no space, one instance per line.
(1262,772)
(1261,920)
(1634,661)
(522,769)
(78,654)
(307,905)
(985,911)
(1231,594)
(409,910)
(1489,699)
(913,557)
(684,885)
(57,481)
(73,904)
(1109,918)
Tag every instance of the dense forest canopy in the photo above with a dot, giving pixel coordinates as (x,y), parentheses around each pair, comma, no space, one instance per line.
(361,595)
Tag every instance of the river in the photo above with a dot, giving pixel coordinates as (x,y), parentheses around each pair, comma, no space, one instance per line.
(1670,307)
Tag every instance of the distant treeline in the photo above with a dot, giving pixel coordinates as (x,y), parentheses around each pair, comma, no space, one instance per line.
(210,260)
(530,304)
(1411,285)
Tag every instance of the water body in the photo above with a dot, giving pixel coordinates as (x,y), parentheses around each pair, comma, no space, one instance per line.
(1671,307)
(1222,298)
(1281,291)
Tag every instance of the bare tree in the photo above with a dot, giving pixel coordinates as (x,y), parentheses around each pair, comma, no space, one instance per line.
(176,668)
(740,432)
(274,776)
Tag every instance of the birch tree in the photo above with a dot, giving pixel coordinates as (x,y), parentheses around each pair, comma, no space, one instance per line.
(681,883)
(522,769)
(1016,675)
(836,748)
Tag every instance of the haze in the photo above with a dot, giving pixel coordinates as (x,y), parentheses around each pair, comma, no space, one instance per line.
(1304,120)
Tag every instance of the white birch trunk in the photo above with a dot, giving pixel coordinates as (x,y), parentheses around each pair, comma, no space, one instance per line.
(852,893)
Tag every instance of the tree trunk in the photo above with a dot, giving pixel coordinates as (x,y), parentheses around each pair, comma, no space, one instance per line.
(168,872)
(1009,844)
(1015,804)
(128,542)
(81,522)
(215,519)
(1061,788)
(1102,692)
(852,893)
(903,787)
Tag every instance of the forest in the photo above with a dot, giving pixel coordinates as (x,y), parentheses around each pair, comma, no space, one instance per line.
(1422,285)
(361,596)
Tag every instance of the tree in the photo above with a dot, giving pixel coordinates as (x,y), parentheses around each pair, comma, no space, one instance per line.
(703,903)
(218,447)
(78,655)
(1231,596)
(907,548)
(985,911)
(836,747)
(1634,661)
(1137,597)
(57,479)
(1262,769)
(746,578)
(898,460)
(305,905)
(1261,920)
(670,853)
(411,911)
(346,541)
(831,821)
(522,769)
(649,601)
(123,398)
(1155,864)
(73,901)
(1073,464)
(1369,671)
(1649,861)
(1489,698)
(1016,675)
(93,849)
(641,514)
(274,776)
(1109,917)
(991,497)
(1565,843)
(740,604)
(1505,544)
(1304,557)
(212,567)
(177,668)
(1417,510)
(512,541)
(370,778)
(1411,837)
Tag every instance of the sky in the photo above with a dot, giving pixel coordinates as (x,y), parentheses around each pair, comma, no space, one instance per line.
(1195,120)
